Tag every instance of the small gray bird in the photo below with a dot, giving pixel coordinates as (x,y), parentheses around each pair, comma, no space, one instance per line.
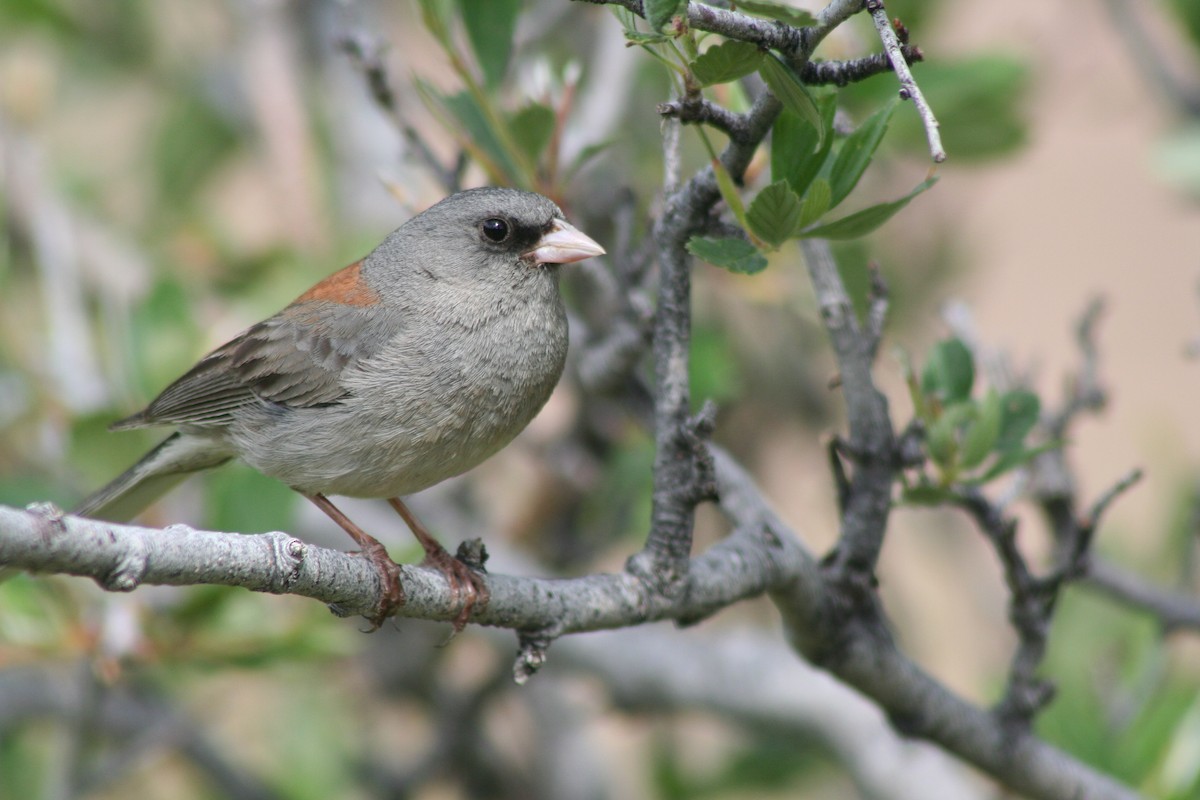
(401,370)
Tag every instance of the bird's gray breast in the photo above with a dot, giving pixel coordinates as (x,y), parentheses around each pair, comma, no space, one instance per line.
(435,401)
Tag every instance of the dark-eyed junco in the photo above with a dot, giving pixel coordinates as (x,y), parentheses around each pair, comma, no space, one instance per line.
(401,370)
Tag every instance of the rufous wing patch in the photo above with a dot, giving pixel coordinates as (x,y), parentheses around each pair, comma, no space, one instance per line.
(346,286)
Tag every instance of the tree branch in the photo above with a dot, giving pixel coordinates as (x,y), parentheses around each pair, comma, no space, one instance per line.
(909,90)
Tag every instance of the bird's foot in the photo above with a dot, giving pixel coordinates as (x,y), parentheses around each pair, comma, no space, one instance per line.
(389,577)
(467,587)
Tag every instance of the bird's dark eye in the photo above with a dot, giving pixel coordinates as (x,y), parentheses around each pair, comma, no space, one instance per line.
(495,229)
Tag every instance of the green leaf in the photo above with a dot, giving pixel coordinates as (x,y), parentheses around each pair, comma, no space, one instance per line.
(532,129)
(641,37)
(983,432)
(726,62)
(1011,459)
(784,84)
(816,202)
(942,438)
(735,255)
(799,150)
(774,215)
(981,104)
(729,192)
(660,12)
(462,115)
(863,222)
(1020,413)
(949,371)
(192,141)
(856,152)
(490,25)
(796,17)
(925,495)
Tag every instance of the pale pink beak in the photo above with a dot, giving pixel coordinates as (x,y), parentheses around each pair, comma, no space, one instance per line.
(563,244)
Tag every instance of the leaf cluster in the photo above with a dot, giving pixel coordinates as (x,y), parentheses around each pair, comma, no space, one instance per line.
(968,439)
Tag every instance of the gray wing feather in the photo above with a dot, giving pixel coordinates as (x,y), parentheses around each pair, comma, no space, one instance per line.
(293,359)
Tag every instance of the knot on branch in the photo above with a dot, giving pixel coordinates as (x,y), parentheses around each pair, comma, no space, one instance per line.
(531,654)
(50,519)
(289,554)
(128,573)
(1022,703)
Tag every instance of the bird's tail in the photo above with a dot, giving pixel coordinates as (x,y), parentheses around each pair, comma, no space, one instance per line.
(154,475)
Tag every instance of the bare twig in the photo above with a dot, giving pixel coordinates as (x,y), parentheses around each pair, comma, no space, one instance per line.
(842,73)
(366,54)
(909,90)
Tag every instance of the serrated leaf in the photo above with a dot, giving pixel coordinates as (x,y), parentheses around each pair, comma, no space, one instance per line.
(796,17)
(856,152)
(798,150)
(863,222)
(784,84)
(774,215)
(659,12)
(816,202)
(949,372)
(726,62)
(981,435)
(735,255)
(532,129)
(490,25)
(1020,413)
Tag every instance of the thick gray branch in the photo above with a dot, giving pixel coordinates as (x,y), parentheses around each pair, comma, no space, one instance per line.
(123,557)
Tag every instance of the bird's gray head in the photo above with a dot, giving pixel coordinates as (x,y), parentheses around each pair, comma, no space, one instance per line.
(488,236)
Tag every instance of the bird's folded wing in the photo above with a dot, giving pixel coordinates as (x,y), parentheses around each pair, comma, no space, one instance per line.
(293,359)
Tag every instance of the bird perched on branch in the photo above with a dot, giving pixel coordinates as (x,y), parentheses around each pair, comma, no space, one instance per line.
(401,370)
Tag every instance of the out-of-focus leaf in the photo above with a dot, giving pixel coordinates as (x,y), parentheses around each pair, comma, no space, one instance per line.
(641,37)
(925,495)
(240,499)
(659,12)
(726,62)
(774,215)
(981,435)
(729,191)
(942,438)
(490,25)
(713,365)
(978,101)
(192,141)
(1188,12)
(816,202)
(1177,158)
(735,255)
(863,222)
(584,157)
(1020,409)
(467,120)
(532,129)
(949,371)
(1011,459)
(856,152)
(784,84)
(796,17)
(798,149)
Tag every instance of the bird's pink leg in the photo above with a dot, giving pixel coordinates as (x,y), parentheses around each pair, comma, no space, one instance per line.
(373,551)
(466,585)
